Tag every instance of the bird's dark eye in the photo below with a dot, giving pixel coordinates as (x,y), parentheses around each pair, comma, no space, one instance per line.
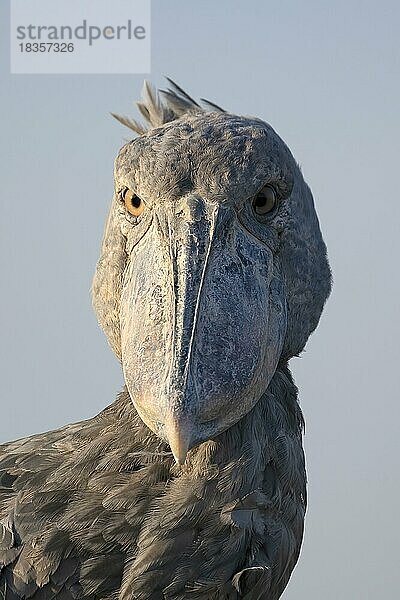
(133,204)
(265,201)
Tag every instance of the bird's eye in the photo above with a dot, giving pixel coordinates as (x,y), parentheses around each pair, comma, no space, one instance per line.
(133,204)
(265,201)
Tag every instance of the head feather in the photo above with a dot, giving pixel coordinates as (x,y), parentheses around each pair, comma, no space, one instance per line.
(157,111)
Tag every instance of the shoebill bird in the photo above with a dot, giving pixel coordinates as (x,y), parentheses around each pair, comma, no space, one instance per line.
(212,275)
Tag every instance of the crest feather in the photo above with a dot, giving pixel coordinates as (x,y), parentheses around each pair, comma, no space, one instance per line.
(157,111)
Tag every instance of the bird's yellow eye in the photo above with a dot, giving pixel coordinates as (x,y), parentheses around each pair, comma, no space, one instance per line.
(265,201)
(133,204)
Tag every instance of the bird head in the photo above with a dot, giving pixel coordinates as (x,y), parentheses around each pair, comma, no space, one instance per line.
(213,269)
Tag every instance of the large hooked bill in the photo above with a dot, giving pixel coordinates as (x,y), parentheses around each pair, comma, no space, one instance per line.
(203,319)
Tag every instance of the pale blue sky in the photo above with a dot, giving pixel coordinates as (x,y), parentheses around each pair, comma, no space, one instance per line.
(326,76)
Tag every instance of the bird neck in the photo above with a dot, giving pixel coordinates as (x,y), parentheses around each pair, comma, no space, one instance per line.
(250,442)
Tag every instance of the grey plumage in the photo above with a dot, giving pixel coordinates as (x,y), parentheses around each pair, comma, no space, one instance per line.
(100,509)
(157,113)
